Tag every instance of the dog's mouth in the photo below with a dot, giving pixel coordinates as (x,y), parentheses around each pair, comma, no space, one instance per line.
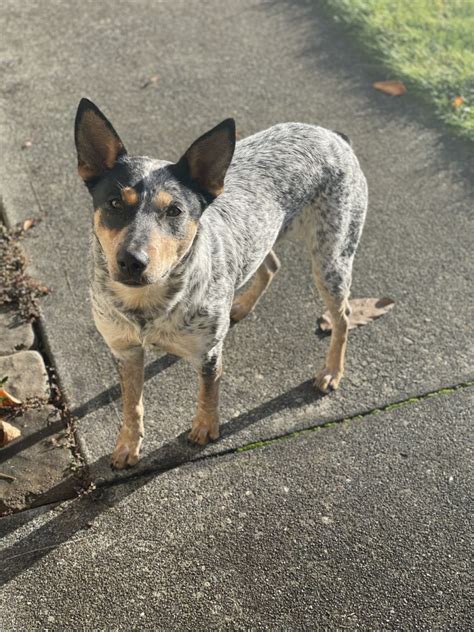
(134,282)
(142,281)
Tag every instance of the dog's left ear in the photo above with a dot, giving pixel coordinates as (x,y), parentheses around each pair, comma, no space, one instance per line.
(98,144)
(208,158)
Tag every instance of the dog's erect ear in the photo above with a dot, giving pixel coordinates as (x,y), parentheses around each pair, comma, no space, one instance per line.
(208,158)
(98,144)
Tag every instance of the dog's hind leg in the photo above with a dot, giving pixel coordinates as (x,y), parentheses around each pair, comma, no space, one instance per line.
(335,233)
(245,303)
(330,375)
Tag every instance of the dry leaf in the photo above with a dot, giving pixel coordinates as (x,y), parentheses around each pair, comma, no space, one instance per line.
(457,102)
(6,477)
(393,88)
(7,400)
(152,81)
(29,223)
(8,433)
(363,311)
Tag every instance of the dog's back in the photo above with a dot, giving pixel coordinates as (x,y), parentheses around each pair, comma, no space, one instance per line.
(290,177)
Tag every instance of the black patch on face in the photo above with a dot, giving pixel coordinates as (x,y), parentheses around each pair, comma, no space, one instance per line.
(185,193)
(180,171)
(142,217)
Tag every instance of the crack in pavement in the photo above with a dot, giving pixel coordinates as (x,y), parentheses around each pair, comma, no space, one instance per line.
(171,465)
(65,523)
(186,454)
(359,416)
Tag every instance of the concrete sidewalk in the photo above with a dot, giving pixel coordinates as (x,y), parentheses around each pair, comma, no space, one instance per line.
(363,526)
(261,62)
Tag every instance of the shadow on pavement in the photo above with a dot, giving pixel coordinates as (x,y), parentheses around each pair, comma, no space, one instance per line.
(79,515)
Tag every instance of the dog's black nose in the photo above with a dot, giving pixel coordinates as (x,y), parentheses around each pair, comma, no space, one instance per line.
(131,264)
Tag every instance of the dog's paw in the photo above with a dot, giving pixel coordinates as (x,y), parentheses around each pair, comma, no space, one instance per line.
(126,454)
(201,433)
(327,381)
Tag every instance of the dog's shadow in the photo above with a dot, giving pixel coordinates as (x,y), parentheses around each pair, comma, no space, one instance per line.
(180,450)
(79,515)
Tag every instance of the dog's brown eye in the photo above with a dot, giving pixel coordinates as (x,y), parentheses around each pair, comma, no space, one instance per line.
(116,203)
(173,211)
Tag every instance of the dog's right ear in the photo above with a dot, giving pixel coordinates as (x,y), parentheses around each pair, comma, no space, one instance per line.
(206,162)
(98,144)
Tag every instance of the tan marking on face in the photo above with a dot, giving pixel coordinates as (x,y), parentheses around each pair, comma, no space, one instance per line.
(163,199)
(165,251)
(216,189)
(129,196)
(110,239)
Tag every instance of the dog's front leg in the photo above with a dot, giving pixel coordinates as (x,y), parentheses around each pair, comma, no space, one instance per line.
(127,448)
(206,421)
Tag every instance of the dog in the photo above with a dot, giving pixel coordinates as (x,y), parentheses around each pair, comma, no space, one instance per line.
(173,242)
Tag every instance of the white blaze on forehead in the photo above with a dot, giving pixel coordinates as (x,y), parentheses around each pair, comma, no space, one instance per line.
(150,165)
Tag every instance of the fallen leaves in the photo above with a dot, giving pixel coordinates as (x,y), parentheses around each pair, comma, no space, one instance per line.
(151,81)
(28,223)
(17,288)
(8,433)
(7,400)
(394,88)
(6,477)
(363,311)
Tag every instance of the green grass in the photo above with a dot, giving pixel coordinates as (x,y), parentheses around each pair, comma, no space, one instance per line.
(428,44)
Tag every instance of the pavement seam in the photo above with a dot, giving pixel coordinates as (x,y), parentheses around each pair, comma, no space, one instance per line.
(410,401)
(157,470)
(89,486)
(59,401)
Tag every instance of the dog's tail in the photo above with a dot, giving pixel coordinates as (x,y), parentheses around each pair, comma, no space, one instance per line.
(344,136)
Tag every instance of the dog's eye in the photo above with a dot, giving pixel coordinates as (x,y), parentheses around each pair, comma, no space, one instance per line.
(173,211)
(115,203)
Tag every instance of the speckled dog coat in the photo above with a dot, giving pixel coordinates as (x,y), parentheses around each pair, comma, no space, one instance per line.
(174,242)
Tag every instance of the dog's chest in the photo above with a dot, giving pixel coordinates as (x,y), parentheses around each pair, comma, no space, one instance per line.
(164,335)
(172,336)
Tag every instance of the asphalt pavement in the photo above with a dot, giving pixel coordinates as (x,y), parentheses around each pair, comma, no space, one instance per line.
(364,525)
(262,63)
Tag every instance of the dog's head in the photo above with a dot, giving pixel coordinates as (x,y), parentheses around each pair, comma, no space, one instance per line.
(147,212)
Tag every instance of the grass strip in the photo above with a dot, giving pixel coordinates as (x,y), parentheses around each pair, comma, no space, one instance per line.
(428,44)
